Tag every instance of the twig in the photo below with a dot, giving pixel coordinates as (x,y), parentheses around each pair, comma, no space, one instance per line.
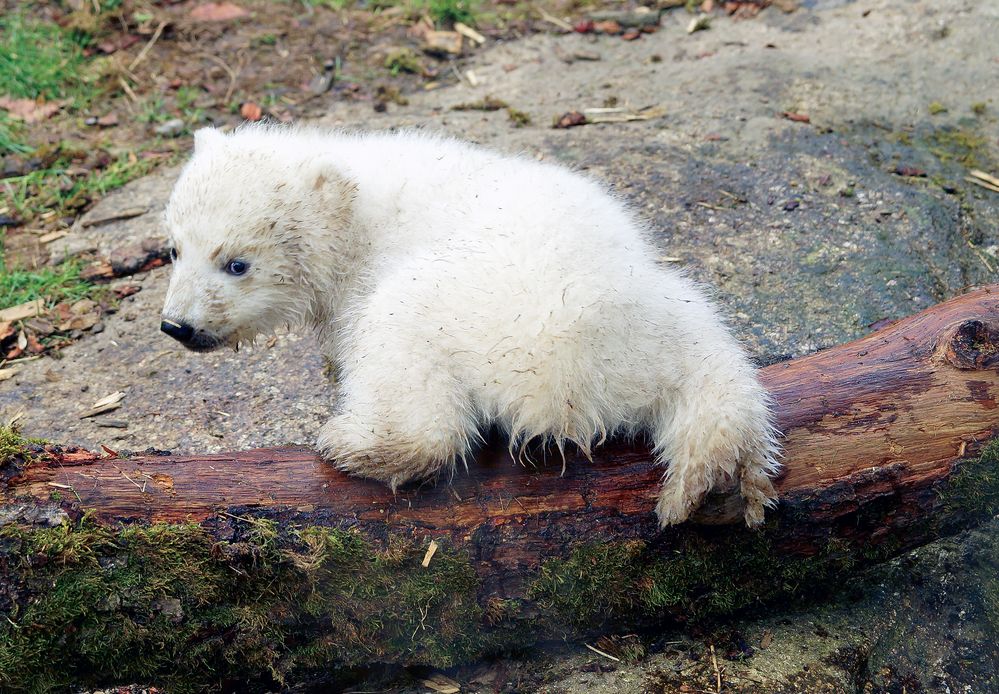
(560,23)
(141,488)
(981,256)
(600,652)
(149,44)
(983,183)
(128,90)
(714,662)
(431,550)
(988,178)
(232,74)
(245,519)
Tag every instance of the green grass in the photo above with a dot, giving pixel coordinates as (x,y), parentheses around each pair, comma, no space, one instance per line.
(53,284)
(54,189)
(38,59)
(10,136)
(447,12)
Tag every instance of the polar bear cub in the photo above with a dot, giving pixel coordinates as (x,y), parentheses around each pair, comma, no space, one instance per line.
(457,289)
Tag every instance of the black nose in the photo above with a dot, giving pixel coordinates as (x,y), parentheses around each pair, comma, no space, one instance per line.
(178,331)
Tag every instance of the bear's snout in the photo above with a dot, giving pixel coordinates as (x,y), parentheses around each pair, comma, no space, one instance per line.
(181,332)
(194,339)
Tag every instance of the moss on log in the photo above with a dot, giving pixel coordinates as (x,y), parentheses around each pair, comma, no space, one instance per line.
(244,570)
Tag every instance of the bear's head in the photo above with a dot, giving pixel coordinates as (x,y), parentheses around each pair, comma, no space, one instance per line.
(253,226)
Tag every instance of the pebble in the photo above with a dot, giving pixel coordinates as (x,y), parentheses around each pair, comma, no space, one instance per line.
(171,128)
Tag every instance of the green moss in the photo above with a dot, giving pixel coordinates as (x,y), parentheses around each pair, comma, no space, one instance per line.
(249,601)
(936,108)
(404,60)
(14,448)
(979,108)
(698,578)
(486,103)
(518,118)
(169,604)
(973,490)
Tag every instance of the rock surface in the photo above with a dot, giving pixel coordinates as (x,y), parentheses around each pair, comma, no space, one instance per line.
(811,233)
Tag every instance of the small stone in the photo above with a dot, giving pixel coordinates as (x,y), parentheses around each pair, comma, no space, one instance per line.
(442,42)
(171,128)
(90,121)
(640,17)
(12,166)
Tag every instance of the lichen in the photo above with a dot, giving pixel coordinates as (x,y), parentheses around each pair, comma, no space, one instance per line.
(170,604)
(960,145)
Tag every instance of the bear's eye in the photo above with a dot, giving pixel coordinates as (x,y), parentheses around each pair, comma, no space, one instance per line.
(173,254)
(237,267)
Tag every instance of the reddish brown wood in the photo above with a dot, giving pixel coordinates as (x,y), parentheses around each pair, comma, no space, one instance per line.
(870,427)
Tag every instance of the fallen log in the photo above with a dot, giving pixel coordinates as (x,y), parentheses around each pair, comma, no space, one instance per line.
(244,568)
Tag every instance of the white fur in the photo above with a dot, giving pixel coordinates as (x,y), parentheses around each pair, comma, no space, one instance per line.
(457,288)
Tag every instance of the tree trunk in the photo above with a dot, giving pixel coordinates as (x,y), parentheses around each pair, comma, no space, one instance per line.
(270,564)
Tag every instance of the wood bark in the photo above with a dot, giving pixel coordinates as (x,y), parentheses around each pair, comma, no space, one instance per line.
(882,444)
(887,415)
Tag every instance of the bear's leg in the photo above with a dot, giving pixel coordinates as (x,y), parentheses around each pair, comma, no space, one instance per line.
(714,425)
(400,425)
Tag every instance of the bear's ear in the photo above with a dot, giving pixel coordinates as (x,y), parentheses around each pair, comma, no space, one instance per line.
(326,181)
(206,138)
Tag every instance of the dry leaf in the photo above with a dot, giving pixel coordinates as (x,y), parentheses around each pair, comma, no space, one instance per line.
(22,340)
(109,399)
(441,683)
(84,322)
(105,404)
(217,12)
(699,23)
(53,236)
(29,110)
(797,117)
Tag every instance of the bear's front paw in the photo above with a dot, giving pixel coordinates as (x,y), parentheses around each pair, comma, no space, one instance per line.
(757,486)
(350,448)
(353,445)
(721,457)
